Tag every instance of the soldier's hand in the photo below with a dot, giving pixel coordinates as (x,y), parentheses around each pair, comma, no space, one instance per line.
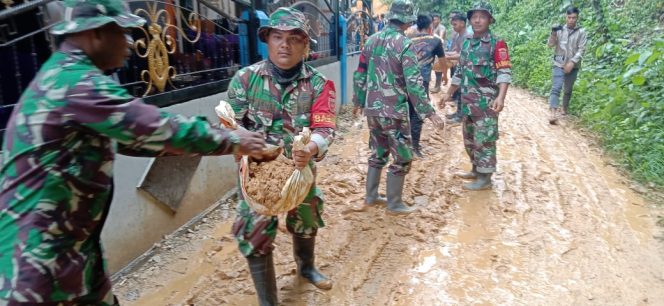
(356,111)
(302,157)
(438,122)
(250,142)
(498,105)
(446,97)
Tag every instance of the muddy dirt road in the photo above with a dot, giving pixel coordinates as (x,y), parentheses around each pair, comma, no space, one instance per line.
(560,227)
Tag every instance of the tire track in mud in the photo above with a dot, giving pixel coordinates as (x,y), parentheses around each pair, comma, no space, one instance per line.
(559,227)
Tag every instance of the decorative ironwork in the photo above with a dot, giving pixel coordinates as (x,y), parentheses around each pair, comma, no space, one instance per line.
(158,43)
(7,3)
(359,28)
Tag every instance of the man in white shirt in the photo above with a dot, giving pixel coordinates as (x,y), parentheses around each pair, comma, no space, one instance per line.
(570,43)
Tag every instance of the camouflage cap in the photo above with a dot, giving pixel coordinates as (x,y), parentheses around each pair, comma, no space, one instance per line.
(403,11)
(81,15)
(481,6)
(285,19)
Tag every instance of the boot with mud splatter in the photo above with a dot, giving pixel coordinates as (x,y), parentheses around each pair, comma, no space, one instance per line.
(373,181)
(303,250)
(467,175)
(395,205)
(265,282)
(483,181)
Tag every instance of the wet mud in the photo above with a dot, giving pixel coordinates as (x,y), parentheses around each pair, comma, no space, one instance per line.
(560,227)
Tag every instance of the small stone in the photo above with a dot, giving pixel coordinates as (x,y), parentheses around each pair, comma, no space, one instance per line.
(156,259)
(421,200)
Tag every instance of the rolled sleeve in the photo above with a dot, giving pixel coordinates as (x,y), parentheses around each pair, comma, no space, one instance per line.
(504,76)
(322,145)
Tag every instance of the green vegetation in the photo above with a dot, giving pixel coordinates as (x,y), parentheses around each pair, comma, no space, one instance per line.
(620,91)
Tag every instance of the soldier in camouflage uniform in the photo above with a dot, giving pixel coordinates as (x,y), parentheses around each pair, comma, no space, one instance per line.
(60,142)
(483,76)
(387,78)
(279,97)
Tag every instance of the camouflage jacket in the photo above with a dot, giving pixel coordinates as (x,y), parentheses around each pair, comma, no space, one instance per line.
(261,104)
(388,76)
(483,64)
(427,47)
(57,175)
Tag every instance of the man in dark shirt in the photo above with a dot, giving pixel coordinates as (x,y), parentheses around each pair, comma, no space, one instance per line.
(427,47)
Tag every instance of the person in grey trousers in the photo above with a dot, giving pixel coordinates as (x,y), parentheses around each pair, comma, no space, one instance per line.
(569,41)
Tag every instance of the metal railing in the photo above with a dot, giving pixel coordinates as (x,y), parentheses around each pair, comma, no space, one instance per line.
(188,49)
(359,27)
(200,45)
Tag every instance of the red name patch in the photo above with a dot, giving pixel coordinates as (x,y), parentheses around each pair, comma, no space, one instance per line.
(502,56)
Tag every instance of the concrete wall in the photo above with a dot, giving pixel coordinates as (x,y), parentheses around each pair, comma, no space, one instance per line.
(136,221)
(331,71)
(351,63)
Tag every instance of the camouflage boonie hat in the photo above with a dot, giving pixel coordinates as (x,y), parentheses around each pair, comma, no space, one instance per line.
(82,15)
(285,19)
(481,6)
(403,11)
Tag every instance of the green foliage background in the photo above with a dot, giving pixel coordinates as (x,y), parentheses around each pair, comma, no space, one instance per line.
(620,90)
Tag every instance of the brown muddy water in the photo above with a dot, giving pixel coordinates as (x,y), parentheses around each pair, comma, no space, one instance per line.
(560,227)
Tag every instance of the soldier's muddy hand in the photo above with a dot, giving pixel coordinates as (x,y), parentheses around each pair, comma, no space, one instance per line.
(498,104)
(302,157)
(437,121)
(357,111)
(250,142)
(446,97)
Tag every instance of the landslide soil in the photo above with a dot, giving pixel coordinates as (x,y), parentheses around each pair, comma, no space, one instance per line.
(268,178)
(561,226)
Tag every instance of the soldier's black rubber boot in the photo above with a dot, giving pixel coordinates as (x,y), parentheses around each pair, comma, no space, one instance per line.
(265,282)
(467,175)
(373,181)
(418,152)
(395,204)
(303,251)
(483,181)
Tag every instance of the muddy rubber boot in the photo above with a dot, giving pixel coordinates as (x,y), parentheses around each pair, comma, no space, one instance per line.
(373,181)
(395,205)
(303,251)
(265,282)
(482,182)
(467,175)
(418,152)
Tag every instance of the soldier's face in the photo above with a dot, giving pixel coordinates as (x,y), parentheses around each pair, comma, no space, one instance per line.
(480,21)
(111,47)
(286,49)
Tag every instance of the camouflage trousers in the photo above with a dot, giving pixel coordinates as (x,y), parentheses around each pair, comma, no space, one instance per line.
(480,134)
(94,298)
(255,233)
(390,136)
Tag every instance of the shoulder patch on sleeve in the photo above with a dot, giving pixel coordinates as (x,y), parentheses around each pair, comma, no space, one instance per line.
(501,55)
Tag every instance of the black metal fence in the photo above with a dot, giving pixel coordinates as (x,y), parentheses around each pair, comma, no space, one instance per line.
(202,48)
(359,26)
(188,49)
(201,44)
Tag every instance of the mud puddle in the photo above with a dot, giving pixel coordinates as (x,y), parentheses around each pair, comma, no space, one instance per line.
(560,227)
